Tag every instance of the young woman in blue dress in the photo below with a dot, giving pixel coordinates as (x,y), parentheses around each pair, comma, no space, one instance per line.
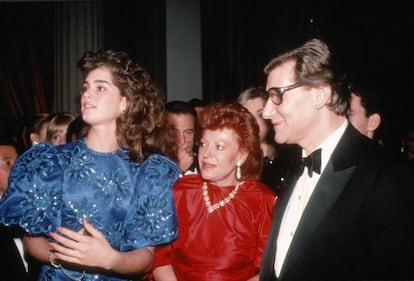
(95,208)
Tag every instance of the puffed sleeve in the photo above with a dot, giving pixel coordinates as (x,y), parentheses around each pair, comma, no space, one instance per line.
(152,219)
(33,197)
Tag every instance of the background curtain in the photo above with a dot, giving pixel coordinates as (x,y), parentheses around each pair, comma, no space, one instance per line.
(42,41)
(373,42)
(26,64)
(238,38)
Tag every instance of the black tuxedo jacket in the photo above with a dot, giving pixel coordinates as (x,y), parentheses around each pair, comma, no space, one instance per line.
(11,263)
(356,225)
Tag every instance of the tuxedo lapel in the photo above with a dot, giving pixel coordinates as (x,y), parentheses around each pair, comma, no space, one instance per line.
(334,179)
(11,262)
(332,182)
(327,190)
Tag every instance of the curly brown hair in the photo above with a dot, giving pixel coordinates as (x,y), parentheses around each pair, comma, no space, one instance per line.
(142,128)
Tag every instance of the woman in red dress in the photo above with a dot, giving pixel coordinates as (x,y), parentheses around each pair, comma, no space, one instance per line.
(224,212)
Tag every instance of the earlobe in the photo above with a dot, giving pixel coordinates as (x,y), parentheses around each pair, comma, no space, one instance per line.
(123,105)
(242,159)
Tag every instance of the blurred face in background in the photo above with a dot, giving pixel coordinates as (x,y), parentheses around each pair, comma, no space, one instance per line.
(184,125)
(366,125)
(8,155)
(39,137)
(357,115)
(409,143)
(255,107)
(59,135)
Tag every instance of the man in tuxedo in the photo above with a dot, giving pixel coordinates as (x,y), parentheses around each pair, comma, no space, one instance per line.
(13,262)
(343,214)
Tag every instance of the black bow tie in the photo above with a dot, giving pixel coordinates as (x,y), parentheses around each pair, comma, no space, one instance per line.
(312,162)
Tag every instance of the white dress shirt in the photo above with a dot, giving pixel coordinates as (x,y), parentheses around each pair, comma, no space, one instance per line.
(19,245)
(300,196)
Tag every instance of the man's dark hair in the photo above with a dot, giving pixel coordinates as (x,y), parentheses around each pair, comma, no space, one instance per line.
(369,100)
(197,102)
(180,107)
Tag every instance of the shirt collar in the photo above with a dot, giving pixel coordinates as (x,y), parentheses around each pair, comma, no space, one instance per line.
(329,144)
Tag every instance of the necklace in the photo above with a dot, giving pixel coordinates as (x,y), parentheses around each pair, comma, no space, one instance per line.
(221,203)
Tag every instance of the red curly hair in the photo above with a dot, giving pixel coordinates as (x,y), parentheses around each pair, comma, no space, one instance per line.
(233,116)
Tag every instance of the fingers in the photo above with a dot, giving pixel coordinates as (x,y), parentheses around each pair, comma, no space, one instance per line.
(57,248)
(59,254)
(63,249)
(66,238)
(69,245)
(92,231)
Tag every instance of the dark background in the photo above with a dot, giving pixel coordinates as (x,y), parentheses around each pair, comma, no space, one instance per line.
(372,41)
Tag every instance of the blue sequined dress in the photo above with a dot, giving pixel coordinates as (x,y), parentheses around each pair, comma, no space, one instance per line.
(130,203)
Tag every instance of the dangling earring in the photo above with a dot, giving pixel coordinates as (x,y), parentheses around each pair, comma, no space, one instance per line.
(238,171)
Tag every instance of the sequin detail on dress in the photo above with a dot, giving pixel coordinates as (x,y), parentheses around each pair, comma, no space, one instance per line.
(130,203)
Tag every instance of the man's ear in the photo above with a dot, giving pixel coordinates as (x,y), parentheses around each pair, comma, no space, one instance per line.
(374,120)
(322,94)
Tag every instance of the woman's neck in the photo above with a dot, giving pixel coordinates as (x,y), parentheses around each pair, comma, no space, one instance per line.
(101,140)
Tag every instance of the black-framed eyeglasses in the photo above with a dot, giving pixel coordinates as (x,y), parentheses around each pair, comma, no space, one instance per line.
(276,93)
